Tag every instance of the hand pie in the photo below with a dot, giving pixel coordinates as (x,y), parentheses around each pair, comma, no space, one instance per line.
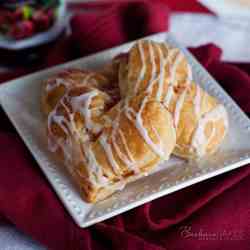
(104,147)
(56,86)
(151,68)
(113,126)
(201,122)
(101,156)
(163,73)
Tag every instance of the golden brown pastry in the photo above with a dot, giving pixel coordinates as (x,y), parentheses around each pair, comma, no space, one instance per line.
(111,127)
(76,118)
(201,122)
(56,86)
(151,68)
(140,136)
(163,74)
(135,136)
(104,147)
(110,70)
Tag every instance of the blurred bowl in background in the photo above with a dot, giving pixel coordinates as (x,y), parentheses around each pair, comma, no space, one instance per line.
(39,38)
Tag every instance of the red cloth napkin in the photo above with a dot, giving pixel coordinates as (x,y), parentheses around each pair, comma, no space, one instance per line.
(210,215)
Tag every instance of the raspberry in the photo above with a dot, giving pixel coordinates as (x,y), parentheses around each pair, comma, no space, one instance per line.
(22,29)
(41,20)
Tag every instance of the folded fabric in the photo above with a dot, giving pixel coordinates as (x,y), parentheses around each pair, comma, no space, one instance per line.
(210,215)
(174,5)
(120,23)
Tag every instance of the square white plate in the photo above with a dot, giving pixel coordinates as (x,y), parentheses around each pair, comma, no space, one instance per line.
(20,99)
(230,9)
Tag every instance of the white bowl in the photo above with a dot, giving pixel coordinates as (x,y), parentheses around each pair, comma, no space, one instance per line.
(40,38)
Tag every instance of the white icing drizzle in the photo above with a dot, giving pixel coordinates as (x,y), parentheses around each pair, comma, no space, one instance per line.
(129,115)
(178,107)
(131,159)
(172,71)
(158,137)
(87,78)
(139,122)
(144,133)
(115,126)
(161,74)
(182,146)
(122,156)
(189,74)
(169,95)
(143,67)
(59,119)
(115,129)
(199,140)
(157,148)
(127,159)
(93,166)
(173,67)
(56,83)
(81,104)
(67,126)
(67,146)
(108,121)
(153,68)
(109,153)
(130,110)
(197,101)
(70,124)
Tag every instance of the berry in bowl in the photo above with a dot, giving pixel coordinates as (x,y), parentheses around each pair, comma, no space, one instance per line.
(27,23)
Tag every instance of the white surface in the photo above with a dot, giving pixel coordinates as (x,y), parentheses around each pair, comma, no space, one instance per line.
(23,108)
(190,30)
(198,29)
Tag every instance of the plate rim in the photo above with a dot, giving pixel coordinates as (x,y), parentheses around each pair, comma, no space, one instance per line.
(83,222)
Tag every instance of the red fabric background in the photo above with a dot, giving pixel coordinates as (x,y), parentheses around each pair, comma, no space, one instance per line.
(218,208)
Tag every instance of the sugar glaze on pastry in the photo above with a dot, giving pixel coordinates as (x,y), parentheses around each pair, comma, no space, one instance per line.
(174,87)
(201,125)
(114,126)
